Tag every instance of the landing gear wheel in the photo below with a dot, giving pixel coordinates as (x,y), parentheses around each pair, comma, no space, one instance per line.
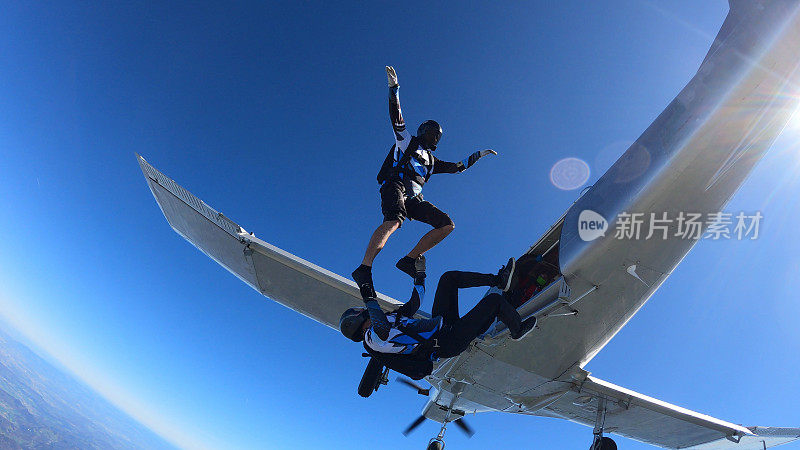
(436,445)
(605,443)
(371,379)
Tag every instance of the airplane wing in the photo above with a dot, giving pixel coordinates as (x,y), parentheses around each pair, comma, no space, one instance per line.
(291,281)
(655,422)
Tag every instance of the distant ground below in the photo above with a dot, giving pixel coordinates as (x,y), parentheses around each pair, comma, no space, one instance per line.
(43,407)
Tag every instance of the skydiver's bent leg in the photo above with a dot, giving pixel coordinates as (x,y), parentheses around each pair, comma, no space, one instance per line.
(455,339)
(424,211)
(445,302)
(429,240)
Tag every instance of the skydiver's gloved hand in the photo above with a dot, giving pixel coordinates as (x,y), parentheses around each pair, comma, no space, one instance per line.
(473,158)
(392,76)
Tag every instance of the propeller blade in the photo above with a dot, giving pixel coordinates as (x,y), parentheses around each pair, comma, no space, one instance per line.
(414,386)
(414,425)
(461,423)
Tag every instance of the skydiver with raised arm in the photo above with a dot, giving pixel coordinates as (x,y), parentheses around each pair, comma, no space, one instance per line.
(407,167)
(408,345)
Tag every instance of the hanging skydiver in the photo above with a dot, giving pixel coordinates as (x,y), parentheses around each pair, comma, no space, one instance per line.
(410,346)
(409,164)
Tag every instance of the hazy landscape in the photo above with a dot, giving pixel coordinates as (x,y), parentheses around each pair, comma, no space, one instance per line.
(43,407)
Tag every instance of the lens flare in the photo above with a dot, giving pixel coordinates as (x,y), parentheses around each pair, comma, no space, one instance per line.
(569,174)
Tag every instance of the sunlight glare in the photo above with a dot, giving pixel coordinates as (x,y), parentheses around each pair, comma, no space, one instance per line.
(794,122)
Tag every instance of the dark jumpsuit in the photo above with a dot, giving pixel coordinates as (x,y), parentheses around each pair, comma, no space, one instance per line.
(451,333)
(459,331)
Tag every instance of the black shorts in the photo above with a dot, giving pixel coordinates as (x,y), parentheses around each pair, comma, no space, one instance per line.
(395,206)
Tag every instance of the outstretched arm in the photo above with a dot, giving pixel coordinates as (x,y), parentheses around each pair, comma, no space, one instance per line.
(440,166)
(395,114)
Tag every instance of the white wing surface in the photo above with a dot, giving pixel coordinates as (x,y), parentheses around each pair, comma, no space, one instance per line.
(655,422)
(291,281)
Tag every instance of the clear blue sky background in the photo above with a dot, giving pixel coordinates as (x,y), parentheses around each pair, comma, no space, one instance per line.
(275,114)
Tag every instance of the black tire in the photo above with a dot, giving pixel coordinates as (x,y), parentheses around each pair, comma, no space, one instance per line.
(605,443)
(608,444)
(371,378)
(436,445)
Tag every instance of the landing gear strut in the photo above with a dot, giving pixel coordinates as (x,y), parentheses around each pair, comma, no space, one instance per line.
(601,442)
(437,443)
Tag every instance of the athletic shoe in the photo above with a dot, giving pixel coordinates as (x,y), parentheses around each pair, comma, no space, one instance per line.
(413,267)
(505,275)
(525,328)
(363,278)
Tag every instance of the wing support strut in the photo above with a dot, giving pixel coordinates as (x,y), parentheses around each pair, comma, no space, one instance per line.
(600,420)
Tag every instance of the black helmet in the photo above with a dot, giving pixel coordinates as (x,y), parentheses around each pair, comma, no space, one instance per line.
(351,322)
(429,133)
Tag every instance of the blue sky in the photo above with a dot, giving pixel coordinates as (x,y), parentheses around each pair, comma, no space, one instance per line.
(275,114)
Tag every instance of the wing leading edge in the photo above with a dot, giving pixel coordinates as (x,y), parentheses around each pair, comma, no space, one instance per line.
(291,281)
(659,423)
